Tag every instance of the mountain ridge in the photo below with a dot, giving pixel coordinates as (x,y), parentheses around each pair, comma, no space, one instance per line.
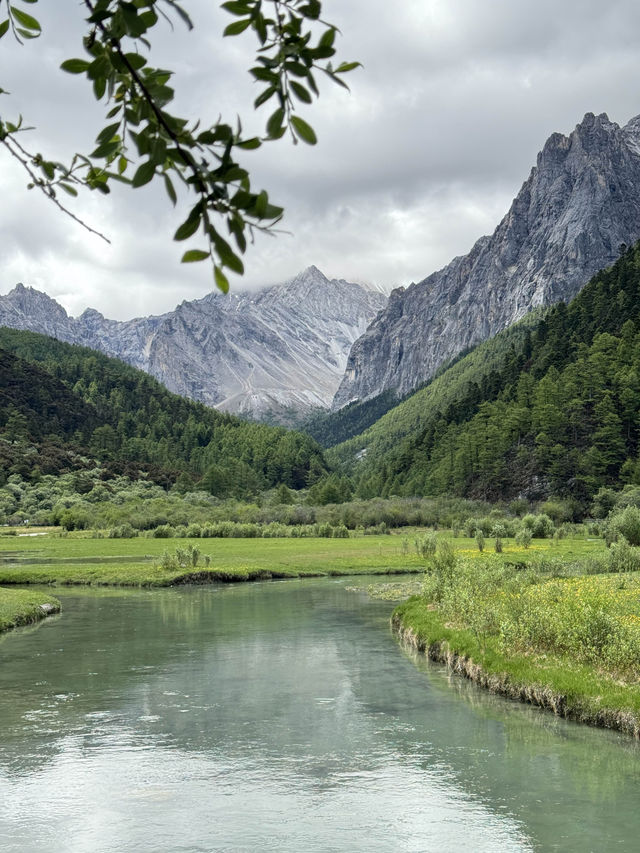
(250,353)
(579,203)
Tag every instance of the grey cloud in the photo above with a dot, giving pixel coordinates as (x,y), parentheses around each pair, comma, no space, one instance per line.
(422,158)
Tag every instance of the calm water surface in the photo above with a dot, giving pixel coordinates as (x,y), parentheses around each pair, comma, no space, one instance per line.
(281,716)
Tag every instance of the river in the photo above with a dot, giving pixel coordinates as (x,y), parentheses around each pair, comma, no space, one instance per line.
(281,716)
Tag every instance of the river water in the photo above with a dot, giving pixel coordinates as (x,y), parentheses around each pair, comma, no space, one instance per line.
(281,716)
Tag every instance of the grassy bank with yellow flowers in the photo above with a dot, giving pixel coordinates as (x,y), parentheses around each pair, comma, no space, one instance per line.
(542,634)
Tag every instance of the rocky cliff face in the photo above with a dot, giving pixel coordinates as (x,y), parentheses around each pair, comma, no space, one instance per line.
(580,202)
(285,346)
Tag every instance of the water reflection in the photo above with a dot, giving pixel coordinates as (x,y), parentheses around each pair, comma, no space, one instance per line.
(281,716)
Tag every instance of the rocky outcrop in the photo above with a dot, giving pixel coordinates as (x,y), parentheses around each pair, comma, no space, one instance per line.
(580,202)
(283,347)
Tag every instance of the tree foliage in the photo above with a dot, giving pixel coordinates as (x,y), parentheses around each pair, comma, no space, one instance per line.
(144,140)
(555,412)
(54,396)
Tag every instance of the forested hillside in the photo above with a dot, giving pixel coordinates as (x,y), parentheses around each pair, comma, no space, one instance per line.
(57,397)
(556,414)
(472,378)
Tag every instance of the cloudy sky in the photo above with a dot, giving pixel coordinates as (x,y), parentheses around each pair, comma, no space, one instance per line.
(424,155)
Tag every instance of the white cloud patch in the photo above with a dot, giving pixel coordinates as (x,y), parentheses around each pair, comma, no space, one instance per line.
(423,157)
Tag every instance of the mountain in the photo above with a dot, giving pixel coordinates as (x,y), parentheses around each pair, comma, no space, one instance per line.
(579,204)
(57,399)
(548,407)
(254,353)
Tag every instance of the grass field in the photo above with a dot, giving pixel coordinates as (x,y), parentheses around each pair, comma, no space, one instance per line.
(24,606)
(136,562)
(78,559)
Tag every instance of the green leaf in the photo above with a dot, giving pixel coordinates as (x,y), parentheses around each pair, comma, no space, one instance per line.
(144,174)
(264,96)
(237,27)
(303,130)
(189,227)
(222,282)
(107,134)
(68,189)
(250,144)
(274,125)
(135,60)
(328,38)
(347,66)
(4,26)
(300,91)
(99,88)
(261,203)
(75,66)
(194,255)
(171,192)
(104,151)
(25,20)
(237,7)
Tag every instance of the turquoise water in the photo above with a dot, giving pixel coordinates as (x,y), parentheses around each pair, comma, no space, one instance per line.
(281,716)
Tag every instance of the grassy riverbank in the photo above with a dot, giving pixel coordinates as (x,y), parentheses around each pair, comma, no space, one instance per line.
(569,644)
(24,606)
(80,559)
(139,562)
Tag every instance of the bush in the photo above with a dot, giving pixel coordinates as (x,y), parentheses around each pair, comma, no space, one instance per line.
(122,531)
(523,537)
(164,531)
(625,522)
(541,526)
(623,557)
(426,545)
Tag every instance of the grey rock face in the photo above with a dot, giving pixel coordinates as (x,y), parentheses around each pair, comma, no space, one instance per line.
(285,346)
(580,202)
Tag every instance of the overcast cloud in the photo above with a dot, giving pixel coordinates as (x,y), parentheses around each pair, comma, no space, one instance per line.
(423,157)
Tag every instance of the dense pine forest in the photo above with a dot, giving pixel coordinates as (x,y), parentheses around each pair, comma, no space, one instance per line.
(64,407)
(544,409)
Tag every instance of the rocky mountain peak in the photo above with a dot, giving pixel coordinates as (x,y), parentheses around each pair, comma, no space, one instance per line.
(580,202)
(285,346)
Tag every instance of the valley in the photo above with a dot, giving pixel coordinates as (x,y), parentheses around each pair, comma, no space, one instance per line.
(460,496)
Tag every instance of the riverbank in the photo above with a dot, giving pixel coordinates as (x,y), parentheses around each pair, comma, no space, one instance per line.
(76,559)
(558,683)
(79,558)
(25,607)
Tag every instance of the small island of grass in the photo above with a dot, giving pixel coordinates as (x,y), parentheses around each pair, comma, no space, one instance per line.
(24,607)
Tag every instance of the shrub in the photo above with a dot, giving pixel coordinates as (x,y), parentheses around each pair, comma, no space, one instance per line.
(426,545)
(480,540)
(623,557)
(122,531)
(163,531)
(624,522)
(541,526)
(523,537)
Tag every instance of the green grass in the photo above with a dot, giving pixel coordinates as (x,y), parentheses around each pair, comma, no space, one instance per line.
(79,559)
(135,562)
(571,689)
(24,606)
